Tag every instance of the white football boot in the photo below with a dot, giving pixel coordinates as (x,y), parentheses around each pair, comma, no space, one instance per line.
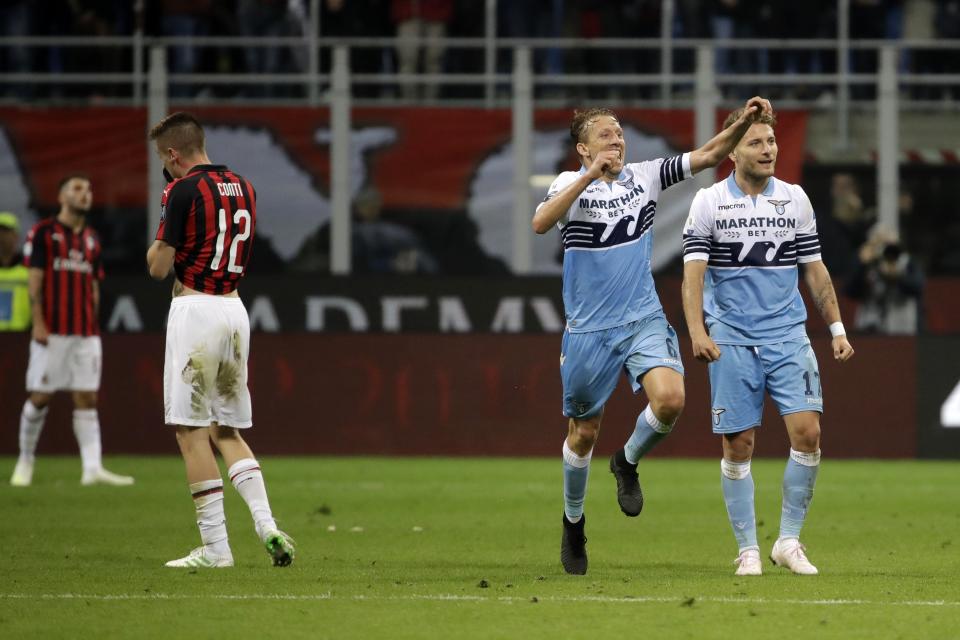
(748,563)
(789,553)
(203,558)
(102,476)
(22,474)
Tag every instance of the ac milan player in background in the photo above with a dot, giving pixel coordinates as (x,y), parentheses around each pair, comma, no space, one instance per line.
(206,230)
(63,256)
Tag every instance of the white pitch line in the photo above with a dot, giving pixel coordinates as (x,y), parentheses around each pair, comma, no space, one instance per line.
(471,598)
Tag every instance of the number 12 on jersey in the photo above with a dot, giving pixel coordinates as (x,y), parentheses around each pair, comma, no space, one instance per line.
(241,218)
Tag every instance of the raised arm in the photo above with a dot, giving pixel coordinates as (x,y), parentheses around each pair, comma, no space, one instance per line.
(719,147)
(820,285)
(704,348)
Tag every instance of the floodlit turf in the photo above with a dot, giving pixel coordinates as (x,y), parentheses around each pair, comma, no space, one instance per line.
(468,548)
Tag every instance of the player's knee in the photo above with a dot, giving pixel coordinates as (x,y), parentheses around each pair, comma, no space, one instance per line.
(192,439)
(221,435)
(40,400)
(738,447)
(668,405)
(806,437)
(85,399)
(586,432)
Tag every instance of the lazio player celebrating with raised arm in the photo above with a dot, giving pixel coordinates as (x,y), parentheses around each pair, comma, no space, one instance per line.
(746,235)
(614,318)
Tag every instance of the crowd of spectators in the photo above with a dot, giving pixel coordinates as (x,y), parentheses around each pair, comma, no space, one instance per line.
(412,19)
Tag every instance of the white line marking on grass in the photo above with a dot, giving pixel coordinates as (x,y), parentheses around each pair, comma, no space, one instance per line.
(445,597)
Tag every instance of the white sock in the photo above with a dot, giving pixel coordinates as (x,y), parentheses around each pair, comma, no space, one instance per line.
(246,477)
(86,426)
(31,424)
(208,500)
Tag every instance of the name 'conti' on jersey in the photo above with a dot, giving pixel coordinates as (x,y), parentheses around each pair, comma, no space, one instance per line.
(752,246)
(209,215)
(607,243)
(70,263)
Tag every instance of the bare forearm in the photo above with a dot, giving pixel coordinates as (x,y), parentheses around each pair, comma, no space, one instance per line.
(718,147)
(692,292)
(824,297)
(35,289)
(553,209)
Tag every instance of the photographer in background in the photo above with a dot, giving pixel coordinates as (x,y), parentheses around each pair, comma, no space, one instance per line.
(888,284)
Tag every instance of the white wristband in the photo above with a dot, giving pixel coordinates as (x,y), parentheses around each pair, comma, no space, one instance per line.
(836,329)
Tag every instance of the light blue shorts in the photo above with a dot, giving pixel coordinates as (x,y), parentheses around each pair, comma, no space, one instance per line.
(590,362)
(787,371)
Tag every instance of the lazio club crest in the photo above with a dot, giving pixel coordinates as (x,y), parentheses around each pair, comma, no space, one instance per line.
(779,205)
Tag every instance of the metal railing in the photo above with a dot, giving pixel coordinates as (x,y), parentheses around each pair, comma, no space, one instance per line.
(327,80)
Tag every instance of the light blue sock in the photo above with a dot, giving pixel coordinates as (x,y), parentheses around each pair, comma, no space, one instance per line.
(798,480)
(646,434)
(576,470)
(738,494)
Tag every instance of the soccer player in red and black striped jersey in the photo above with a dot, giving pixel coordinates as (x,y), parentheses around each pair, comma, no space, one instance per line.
(65,270)
(205,236)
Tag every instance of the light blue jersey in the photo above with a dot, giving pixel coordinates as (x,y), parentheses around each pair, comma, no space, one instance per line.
(607,242)
(752,246)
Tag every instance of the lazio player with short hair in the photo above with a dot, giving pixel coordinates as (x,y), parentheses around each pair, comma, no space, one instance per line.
(742,245)
(614,318)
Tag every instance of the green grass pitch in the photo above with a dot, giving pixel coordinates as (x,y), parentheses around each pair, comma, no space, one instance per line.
(469,548)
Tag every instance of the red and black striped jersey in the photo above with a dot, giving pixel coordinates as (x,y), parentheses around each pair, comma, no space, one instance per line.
(70,261)
(209,215)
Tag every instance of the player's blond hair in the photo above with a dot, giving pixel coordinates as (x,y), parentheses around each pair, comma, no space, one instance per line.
(583,119)
(180,131)
(765,118)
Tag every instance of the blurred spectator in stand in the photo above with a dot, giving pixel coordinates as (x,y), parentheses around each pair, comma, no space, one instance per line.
(377,246)
(869,21)
(417,19)
(15,314)
(918,16)
(532,19)
(370,19)
(272,18)
(185,18)
(813,19)
(630,19)
(888,284)
(736,19)
(948,28)
(91,18)
(16,20)
(854,219)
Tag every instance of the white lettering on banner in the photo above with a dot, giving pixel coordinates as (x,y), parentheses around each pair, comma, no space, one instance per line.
(950,410)
(453,316)
(318,305)
(446,314)
(509,316)
(263,316)
(125,316)
(393,310)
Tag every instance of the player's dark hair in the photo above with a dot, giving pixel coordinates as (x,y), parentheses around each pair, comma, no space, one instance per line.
(765,118)
(582,119)
(180,131)
(76,175)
